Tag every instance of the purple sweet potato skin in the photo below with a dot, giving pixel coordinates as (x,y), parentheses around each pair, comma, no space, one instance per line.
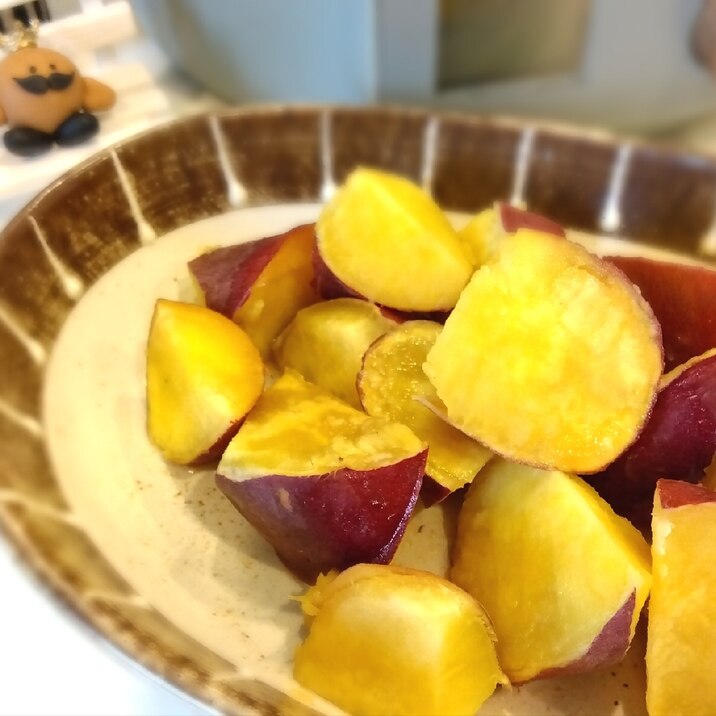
(513,219)
(321,522)
(675,493)
(214,453)
(682,298)
(227,275)
(678,441)
(609,646)
(327,285)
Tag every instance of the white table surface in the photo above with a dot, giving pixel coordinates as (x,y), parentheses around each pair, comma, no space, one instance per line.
(57,666)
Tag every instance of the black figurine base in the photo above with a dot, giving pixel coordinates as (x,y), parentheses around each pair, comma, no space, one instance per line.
(28,142)
(76,129)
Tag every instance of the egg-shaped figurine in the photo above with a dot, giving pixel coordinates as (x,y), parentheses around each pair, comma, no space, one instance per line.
(44,99)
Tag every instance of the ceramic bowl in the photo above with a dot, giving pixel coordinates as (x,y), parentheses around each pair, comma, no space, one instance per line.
(152,557)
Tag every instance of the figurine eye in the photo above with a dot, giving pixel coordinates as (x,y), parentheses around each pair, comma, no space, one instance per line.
(53,67)
(33,70)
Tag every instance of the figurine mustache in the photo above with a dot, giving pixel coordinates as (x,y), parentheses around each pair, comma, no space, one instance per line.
(37,84)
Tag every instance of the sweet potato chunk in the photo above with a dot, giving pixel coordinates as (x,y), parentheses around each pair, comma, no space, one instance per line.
(260,285)
(680,296)
(678,441)
(325,343)
(325,484)
(387,240)
(482,235)
(387,640)
(391,384)
(681,643)
(329,287)
(203,376)
(561,576)
(550,357)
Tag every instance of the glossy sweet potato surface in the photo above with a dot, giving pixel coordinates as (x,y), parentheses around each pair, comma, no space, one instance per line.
(260,285)
(386,239)
(325,484)
(390,640)
(393,385)
(484,232)
(196,399)
(681,643)
(550,357)
(326,342)
(562,577)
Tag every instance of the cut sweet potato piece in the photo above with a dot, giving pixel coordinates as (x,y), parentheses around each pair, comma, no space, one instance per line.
(203,377)
(513,219)
(260,285)
(329,287)
(387,240)
(680,296)
(561,576)
(482,235)
(391,385)
(551,357)
(389,640)
(678,441)
(681,643)
(325,484)
(325,343)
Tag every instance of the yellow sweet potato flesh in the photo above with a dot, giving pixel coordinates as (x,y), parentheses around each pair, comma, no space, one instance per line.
(325,343)
(203,376)
(386,239)
(550,562)
(681,644)
(391,380)
(388,641)
(297,429)
(550,357)
(481,235)
(280,291)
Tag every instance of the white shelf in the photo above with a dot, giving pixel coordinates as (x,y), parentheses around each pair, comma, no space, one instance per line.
(105,43)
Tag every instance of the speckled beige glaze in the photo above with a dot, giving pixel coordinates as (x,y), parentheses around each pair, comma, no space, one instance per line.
(153,557)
